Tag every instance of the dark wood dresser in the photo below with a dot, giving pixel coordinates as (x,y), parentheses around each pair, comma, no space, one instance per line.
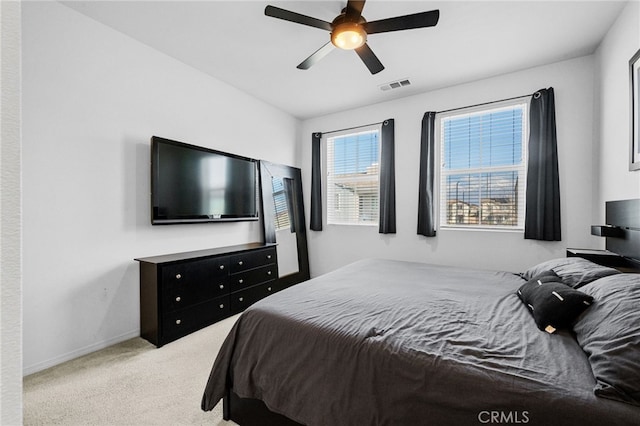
(184,292)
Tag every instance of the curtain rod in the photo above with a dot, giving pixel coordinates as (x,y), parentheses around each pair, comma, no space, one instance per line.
(437,112)
(486,103)
(351,128)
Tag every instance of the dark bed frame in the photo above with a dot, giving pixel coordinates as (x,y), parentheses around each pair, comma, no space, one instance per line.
(623,215)
(252,412)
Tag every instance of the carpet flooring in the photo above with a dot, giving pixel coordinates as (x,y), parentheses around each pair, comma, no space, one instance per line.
(131,383)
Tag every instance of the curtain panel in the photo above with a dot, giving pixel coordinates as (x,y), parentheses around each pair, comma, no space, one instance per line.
(542,213)
(387,179)
(426,219)
(316,182)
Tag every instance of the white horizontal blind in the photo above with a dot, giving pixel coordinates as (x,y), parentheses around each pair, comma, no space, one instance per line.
(281,212)
(352,183)
(482,174)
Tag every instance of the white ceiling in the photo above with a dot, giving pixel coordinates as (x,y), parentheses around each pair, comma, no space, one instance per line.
(235,42)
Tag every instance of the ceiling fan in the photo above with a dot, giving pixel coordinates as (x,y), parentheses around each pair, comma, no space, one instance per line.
(349,30)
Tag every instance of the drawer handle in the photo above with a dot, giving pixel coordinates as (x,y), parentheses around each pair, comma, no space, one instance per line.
(221,266)
(221,286)
(241,298)
(269,288)
(268,272)
(178,299)
(240,281)
(178,322)
(268,256)
(178,276)
(240,263)
(221,306)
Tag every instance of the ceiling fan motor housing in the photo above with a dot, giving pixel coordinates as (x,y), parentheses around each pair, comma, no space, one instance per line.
(348,34)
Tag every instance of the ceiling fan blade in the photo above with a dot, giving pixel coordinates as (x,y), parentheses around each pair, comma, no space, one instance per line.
(369,58)
(354,9)
(316,56)
(276,12)
(406,22)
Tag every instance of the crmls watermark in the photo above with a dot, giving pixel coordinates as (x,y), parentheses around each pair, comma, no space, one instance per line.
(503,417)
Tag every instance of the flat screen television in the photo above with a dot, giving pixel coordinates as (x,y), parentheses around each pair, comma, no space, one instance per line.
(191,184)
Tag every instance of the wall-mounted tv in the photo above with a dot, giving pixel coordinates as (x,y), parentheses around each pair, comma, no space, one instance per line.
(191,184)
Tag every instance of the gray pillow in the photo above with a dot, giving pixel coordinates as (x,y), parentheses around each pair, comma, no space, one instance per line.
(609,333)
(574,271)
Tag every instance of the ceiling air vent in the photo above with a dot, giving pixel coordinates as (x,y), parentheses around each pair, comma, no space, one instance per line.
(394,84)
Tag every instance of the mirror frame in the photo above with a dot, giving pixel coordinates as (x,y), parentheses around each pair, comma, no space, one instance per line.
(267,171)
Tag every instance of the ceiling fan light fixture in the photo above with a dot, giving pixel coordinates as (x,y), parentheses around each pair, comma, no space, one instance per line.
(348,36)
(349,30)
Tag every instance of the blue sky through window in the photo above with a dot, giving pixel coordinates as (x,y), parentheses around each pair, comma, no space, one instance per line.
(483,140)
(355,153)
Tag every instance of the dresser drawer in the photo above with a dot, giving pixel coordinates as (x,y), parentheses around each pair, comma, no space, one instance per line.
(195,270)
(241,300)
(180,323)
(184,293)
(252,259)
(277,286)
(252,277)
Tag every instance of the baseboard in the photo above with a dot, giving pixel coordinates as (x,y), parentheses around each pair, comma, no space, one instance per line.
(31,369)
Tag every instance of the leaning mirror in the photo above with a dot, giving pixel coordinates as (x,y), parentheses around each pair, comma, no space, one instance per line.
(283,220)
(284,223)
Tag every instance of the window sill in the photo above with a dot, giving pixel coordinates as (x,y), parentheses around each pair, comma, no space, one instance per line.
(353,224)
(482,229)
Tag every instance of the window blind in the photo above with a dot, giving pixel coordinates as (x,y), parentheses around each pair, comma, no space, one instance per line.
(353,166)
(482,174)
(281,212)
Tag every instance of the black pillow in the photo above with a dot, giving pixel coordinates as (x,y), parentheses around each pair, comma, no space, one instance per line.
(527,290)
(554,305)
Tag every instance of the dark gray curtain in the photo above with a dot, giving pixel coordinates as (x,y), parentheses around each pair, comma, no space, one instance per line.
(316,183)
(387,179)
(542,214)
(426,220)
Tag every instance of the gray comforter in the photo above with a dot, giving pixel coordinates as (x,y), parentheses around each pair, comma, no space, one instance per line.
(383,342)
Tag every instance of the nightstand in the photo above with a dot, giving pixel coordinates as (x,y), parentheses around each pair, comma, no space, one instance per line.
(606,258)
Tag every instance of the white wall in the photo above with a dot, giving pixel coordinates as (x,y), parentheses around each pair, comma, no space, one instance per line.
(622,41)
(573,84)
(92,98)
(10,217)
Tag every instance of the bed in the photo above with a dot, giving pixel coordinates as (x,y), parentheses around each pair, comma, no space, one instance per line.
(386,342)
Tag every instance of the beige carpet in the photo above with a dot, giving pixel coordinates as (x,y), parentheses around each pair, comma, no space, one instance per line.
(131,383)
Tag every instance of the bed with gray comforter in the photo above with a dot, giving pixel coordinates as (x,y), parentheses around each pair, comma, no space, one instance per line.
(383,342)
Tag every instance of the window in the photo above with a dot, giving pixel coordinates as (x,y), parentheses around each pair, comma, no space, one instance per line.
(352,181)
(482,174)
(281,212)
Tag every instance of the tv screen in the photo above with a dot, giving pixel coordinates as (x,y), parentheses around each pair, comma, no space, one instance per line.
(194,184)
